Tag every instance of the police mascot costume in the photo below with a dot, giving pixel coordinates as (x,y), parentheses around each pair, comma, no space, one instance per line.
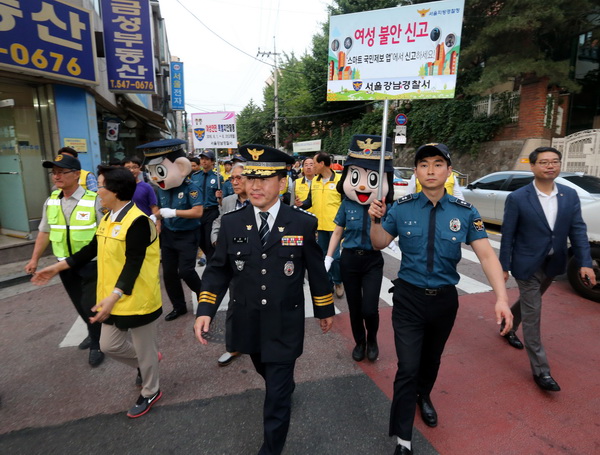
(361,266)
(180,204)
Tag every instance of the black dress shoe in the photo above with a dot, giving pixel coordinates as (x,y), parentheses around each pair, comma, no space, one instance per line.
(546,382)
(513,340)
(358,353)
(174,315)
(85,344)
(401,450)
(428,413)
(372,351)
(96,357)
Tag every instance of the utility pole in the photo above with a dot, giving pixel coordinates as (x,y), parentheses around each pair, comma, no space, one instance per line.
(276,101)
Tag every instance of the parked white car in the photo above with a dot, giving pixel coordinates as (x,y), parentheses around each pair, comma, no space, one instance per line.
(488,194)
(591,216)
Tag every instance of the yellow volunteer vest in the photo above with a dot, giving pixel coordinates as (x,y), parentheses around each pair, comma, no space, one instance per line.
(145,297)
(83,178)
(302,190)
(81,228)
(449,185)
(325,201)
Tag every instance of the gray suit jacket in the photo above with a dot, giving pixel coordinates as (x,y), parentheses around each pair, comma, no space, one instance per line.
(227,205)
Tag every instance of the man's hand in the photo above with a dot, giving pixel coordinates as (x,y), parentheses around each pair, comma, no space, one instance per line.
(376,209)
(104,307)
(588,276)
(43,276)
(31,266)
(201,327)
(503,313)
(298,202)
(326,324)
(506,275)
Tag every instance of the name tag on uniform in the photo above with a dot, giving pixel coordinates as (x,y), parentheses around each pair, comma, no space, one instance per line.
(292,240)
(240,240)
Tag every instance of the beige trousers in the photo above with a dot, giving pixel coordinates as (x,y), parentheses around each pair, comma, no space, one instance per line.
(141,352)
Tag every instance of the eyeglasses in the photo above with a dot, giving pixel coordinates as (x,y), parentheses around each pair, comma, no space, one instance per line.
(55,173)
(135,166)
(545,163)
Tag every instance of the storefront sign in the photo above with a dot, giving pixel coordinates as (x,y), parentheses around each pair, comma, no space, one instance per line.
(307,146)
(214,130)
(50,38)
(407,52)
(177,95)
(77,143)
(128,45)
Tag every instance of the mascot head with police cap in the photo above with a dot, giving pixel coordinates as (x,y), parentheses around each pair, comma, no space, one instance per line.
(166,162)
(360,178)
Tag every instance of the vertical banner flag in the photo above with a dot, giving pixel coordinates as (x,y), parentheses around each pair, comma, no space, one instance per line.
(406,52)
(128,46)
(177,95)
(214,130)
(48,38)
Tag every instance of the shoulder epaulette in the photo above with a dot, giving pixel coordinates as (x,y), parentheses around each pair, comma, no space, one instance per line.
(460,202)
(403,199)
(303,211)
(236,210)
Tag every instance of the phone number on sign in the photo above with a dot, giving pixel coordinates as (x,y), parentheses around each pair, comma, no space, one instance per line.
(22,56)
(137,85)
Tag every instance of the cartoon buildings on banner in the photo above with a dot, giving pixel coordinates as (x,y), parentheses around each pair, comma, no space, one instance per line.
(214,130)
(407,52)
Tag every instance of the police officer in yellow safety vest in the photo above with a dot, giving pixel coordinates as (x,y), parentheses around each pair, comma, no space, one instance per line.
(86,179)
(69,219)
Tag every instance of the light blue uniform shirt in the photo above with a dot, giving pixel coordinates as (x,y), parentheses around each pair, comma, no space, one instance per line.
(355,220)
(456,222)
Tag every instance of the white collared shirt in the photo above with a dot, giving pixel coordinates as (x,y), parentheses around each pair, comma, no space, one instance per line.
(549,204)
(273,211)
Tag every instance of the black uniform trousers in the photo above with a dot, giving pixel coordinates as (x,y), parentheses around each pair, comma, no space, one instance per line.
(362,273)
(178,253)
(80,285)
(279,385)
(210,214)
(422,324)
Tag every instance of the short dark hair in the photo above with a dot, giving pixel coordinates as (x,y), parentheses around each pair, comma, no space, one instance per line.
(194,159)
(68,151)
(533,156)
(118,180)
(323,157)
(132,159)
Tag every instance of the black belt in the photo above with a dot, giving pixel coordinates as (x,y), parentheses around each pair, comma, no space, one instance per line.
(360,252)
(427,291)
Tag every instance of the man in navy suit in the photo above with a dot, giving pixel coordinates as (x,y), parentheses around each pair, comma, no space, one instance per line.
(538,219)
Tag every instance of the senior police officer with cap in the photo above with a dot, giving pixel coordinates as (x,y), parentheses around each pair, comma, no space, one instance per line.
(263,250)
(180,202)
(69,220)
(431,226)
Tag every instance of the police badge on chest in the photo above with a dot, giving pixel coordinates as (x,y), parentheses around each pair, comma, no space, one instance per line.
(239,265)
(288,268)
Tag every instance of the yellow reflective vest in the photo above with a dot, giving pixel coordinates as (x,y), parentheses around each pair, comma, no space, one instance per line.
(145,297)
(69,239)
(302,189)
(449,185)
(83,179)
(325,201)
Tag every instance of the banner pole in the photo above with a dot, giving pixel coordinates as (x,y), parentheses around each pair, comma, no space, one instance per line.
(383,149)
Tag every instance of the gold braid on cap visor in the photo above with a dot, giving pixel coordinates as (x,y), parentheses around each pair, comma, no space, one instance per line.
(263,168)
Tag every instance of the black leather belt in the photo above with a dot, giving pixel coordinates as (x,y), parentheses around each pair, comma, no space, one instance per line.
(360,252)
(427,291)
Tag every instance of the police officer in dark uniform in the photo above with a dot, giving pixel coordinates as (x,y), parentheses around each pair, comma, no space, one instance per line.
(209,181)
(431,227)
(263,250)
(180,202)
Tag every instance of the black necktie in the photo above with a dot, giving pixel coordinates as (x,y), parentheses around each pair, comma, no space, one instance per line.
(263,232)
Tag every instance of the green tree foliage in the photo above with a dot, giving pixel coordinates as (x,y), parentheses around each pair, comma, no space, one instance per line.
(252,124)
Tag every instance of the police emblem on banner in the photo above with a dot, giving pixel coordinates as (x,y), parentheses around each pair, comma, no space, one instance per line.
(455,225)
(199,133)
(357,85)
(288,268)
(239,265)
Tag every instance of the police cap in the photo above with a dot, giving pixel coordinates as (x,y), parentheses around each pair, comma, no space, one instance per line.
(365,152)
(433,149)
(169,148)
(263,161)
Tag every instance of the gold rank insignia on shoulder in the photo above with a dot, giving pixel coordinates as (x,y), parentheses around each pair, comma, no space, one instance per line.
(292,240)
(281,228)
(249,227)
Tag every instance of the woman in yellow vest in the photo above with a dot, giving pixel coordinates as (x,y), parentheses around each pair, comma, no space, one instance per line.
(128,292)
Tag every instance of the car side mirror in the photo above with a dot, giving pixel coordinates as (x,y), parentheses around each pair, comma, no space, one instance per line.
(470,186)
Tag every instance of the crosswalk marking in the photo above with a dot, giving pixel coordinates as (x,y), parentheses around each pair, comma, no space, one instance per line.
(466,284)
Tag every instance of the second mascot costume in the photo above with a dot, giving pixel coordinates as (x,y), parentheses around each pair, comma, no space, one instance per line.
(361,266)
